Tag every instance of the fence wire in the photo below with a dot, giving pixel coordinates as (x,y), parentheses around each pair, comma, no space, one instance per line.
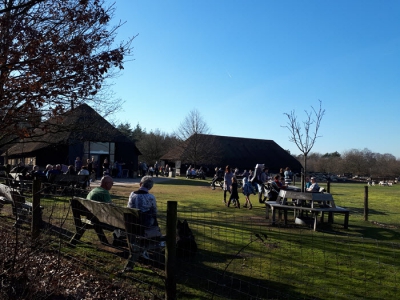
(236,258)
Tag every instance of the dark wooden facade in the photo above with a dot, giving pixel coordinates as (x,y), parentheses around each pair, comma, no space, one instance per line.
(242,153)
(81,127)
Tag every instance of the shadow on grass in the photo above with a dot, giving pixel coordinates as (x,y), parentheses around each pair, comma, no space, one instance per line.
(381,232)
(189,182)
(224,283)
(360,211)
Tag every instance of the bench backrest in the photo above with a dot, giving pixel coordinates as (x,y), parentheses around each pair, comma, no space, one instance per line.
(107,213)
(69,178)
(5,191)
(13,197)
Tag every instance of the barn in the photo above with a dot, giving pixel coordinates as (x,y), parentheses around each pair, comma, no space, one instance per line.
(219,151)
(81,132)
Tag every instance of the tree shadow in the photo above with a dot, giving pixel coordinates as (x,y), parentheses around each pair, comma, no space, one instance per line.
(360,211)
(188,182)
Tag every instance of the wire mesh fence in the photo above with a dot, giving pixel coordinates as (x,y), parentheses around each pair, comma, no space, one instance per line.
(237,257)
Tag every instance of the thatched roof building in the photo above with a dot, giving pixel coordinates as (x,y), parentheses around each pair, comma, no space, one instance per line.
(243,153)
(79,132)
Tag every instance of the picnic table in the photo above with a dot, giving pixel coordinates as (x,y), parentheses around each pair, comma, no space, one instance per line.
(305,202)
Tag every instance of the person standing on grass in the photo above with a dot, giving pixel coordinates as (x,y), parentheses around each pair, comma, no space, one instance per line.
(247,190)
(78,164)
(261,186)
(234,193)
(228,175)
(288,176)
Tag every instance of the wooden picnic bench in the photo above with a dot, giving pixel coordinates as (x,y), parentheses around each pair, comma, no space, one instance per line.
(306,202)
(89,214)
(20,207)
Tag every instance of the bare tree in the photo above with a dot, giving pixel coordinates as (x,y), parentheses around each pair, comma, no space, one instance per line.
(196,129)
(155,144)
(192,124)
(304,137)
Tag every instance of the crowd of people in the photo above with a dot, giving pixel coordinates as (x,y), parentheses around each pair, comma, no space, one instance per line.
(255,182)
(153,170)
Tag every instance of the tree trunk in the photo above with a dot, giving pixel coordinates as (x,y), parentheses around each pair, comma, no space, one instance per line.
(305,174)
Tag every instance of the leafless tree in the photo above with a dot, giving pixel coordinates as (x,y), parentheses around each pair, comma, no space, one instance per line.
(155,144)
(191,125)
(193,134)
(305,137)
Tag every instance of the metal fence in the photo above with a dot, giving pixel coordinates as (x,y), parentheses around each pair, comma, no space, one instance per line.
(236,258)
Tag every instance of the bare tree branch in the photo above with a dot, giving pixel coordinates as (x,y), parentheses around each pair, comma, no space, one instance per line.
(304,138)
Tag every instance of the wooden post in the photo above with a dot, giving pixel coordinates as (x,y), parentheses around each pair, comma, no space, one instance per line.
(170,251)
(366,203)
(328,187)
(303,178)
(36,212)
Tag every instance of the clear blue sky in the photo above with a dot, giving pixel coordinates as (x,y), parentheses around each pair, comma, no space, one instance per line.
(243,64)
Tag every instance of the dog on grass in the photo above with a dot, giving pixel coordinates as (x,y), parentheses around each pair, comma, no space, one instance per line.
(186,246)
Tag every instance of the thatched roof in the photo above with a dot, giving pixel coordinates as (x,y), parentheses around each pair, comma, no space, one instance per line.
(243,153)
(77,125)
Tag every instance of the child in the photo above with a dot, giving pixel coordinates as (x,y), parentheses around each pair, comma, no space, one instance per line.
(247,190)
(234,193)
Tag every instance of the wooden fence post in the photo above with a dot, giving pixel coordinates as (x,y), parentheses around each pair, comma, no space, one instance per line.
(328,187)
(170,251)
(36,212)
(366,203)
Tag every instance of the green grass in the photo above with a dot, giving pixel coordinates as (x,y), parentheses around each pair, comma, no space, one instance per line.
(333,263)
(287,262)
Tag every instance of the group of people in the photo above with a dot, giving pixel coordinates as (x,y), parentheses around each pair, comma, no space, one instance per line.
(153,170)
(193,172)
(254,182)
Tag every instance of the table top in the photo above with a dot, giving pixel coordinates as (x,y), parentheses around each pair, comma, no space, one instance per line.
(312,198)
(293,188)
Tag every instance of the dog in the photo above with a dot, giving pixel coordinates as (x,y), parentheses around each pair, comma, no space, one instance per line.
(186,246)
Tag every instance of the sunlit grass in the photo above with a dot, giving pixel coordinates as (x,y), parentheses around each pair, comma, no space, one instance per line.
(332,263)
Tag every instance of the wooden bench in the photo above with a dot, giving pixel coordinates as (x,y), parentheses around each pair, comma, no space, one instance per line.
(314,203)
(20,207)
(69,181)
(89,214)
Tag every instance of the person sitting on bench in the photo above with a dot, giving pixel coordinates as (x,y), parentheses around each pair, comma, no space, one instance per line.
(145,202)
(314,187)
(101,193)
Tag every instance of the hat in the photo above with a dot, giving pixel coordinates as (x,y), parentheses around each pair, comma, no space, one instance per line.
(312,178)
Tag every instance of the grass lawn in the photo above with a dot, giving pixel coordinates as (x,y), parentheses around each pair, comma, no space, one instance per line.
(241,256)
(288,261)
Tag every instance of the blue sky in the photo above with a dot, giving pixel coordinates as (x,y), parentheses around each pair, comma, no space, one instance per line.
(243,64)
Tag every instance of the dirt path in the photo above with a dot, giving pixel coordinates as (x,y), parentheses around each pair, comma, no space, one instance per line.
(131,181)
